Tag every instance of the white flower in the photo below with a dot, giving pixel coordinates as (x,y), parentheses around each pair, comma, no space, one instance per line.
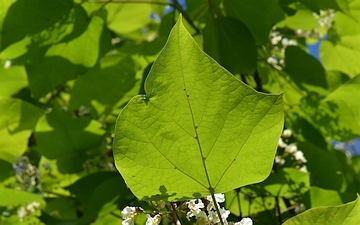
(272,60)
(286,133)
(7,64)
(214,217)
(22,213)
(299,156)
(195,208)
(32,207)
(153,220)
(224,214)
(275,38)
(219,198)
(245,221)
(303,169)
(292,43)
(128,214)
(25,211)
(286,42)
(279,160)
(291,148)
(281,143)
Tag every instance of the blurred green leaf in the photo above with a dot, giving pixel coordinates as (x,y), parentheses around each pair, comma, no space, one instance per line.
(309,74)
(17,120)
(67,139)
(126,18)
(288,183)
(11,197)
(12,80)
(84,49)
(259,16)
(323,197)
(228,40)
(342,214)
(105,198)
(303,19)
(62,208)
(324,167)
(99,89)
(45,21)
(52,72)
(323,4)
(6,170)
(341,51)
(54,181)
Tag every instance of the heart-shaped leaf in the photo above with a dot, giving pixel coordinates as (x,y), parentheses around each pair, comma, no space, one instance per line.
(198,130)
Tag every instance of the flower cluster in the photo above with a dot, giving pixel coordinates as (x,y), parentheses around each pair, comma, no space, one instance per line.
(279,41)
(292,150)
(210,216)
(325,21)
(129,213)
(27,174)
(205,214)
(24,211)
(279,44)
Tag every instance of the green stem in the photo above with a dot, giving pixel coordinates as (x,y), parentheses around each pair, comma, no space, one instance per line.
(278,210)
(211,189)
(216,205)
(238,199)
(100,8)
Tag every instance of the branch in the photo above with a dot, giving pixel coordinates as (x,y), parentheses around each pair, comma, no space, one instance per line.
(278,209)
(258,81)
(131,1)
(243,78)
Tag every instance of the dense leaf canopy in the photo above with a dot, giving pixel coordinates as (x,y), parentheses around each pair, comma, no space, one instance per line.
(230,97)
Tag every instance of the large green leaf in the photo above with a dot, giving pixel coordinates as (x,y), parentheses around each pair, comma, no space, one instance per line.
(17,120)
(198,129)
(342,214)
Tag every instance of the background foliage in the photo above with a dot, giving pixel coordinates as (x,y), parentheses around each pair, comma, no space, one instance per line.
(69,67)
